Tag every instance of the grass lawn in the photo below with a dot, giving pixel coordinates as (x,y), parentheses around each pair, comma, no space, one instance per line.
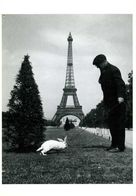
(84,161)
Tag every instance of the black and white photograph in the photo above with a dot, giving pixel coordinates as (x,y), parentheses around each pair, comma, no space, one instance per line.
(67,99)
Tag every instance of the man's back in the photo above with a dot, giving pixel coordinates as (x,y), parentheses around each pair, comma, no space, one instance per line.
(112,84)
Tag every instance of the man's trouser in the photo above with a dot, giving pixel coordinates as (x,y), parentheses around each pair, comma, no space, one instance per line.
(116,121)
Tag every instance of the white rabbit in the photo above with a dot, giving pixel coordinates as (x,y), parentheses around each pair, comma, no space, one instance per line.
(53,144)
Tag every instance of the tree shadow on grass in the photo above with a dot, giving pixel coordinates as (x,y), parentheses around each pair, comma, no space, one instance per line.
(56,151)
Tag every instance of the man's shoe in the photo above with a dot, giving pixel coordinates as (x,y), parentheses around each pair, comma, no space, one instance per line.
(110,148)
(114,150)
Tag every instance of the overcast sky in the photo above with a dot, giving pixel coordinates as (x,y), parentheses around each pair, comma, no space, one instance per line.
(44,38)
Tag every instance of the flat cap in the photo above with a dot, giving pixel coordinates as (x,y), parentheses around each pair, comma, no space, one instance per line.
(99,59)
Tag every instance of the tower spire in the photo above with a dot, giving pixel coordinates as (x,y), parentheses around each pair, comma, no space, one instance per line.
(70,83)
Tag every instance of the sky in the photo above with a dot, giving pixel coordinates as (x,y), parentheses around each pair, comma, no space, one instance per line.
(44,38)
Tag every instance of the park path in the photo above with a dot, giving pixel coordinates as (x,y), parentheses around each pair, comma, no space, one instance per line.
(96,131)
(106,134)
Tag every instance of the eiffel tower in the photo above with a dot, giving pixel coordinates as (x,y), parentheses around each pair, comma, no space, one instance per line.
(69,90)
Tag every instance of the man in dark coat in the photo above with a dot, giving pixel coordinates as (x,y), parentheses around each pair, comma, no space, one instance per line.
(114,91)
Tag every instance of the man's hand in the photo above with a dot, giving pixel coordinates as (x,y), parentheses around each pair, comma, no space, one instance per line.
(120,99)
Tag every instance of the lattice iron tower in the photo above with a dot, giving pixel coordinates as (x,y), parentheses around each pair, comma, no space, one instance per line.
(69,90)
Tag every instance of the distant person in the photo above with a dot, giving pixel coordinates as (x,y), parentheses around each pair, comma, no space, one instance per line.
(114,91)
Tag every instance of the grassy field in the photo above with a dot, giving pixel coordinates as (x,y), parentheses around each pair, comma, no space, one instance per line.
(84,161)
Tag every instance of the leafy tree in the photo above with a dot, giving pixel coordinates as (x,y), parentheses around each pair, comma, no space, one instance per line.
(129,100)
(96,117)
(101,115)
(72,126)
(90,119)
(50,123)
(26,122)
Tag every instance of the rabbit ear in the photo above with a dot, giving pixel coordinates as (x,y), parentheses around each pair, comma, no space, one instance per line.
(59,139)
(65,139)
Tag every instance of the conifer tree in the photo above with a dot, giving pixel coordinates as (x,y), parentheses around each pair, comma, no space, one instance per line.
(26,122)
(67,124)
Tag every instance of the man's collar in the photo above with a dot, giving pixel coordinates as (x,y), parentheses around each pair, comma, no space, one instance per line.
(104,68)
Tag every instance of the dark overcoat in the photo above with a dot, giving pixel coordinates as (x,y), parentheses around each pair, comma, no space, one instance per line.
(112,85)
